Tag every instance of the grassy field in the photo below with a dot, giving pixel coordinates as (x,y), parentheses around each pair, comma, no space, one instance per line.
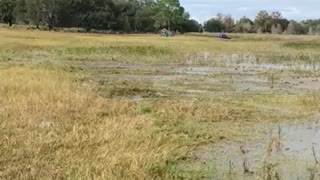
(92,106)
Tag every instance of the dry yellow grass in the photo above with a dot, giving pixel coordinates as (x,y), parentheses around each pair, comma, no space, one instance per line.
(52,128)
(37,46)
(311,100)
(19,38)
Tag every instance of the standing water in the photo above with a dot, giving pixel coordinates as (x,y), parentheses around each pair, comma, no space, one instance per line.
(285,151)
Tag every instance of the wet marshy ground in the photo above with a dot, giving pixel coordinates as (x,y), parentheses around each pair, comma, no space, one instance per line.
(273,151)
(268,150)
(240,109)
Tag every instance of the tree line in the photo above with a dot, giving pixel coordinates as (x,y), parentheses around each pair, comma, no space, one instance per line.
(264,22)
(117,15)
(140,16)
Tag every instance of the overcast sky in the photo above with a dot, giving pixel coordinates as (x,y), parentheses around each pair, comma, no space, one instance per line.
(202,10)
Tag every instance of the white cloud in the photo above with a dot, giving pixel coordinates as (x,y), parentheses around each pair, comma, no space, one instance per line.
(290,12)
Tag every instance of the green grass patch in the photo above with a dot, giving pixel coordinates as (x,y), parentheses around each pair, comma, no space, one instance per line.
(128,50)
(303,45)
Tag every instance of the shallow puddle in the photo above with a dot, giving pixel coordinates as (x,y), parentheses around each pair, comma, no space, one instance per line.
(269,67)
(285,151)
(197,70)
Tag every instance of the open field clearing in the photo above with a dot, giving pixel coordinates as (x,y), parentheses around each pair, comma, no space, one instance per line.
(93,106)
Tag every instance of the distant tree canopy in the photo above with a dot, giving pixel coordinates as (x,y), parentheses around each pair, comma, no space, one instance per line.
(264,22)
(141,16)
(7,8)
(244,25)
(213,25)
(117,15)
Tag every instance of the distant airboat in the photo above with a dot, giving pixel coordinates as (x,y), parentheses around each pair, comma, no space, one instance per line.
(223,36)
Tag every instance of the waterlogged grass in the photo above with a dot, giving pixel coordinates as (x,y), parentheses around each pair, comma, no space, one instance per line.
(94,106)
